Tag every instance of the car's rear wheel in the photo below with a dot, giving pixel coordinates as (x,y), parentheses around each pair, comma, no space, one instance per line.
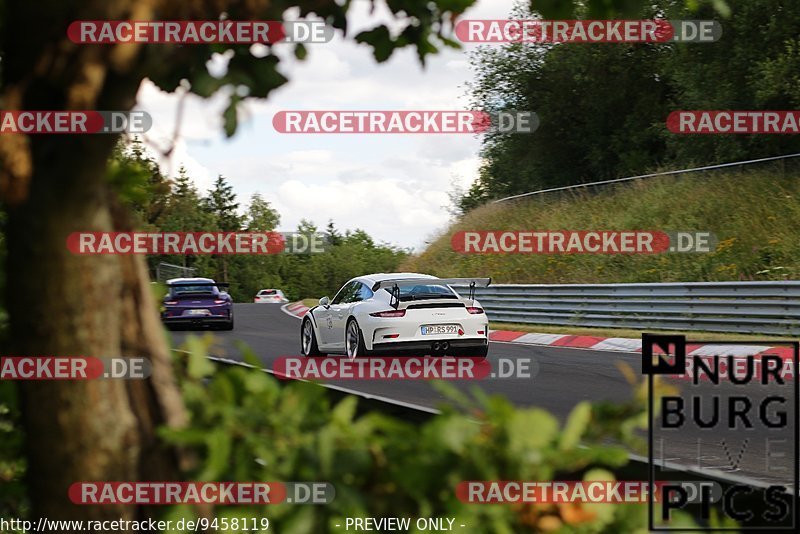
(354,340)
(308,339)
(229,324)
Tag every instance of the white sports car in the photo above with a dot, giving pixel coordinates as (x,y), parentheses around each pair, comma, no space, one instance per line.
(270,296)
(407,312)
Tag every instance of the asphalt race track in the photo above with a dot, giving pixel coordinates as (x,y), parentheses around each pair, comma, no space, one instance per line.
(561,378)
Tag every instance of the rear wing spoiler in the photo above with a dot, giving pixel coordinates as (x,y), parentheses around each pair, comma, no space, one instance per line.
(202,284)
(179,284)
(405,282)
(397,283)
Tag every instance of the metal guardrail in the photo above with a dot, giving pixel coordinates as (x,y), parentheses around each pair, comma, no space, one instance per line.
(643,176)
(165,270)
(740,307)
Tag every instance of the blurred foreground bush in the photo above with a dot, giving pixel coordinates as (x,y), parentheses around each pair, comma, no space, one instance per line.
(247,426)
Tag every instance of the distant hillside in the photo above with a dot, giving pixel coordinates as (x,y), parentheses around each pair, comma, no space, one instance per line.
(755,215)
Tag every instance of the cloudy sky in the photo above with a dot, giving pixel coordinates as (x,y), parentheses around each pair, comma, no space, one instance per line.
(393,186)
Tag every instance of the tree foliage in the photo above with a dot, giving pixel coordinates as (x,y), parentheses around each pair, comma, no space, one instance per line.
(180,207)
(603,107)
(261,217)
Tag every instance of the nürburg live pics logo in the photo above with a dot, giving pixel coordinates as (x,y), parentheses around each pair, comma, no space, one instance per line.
(730,423)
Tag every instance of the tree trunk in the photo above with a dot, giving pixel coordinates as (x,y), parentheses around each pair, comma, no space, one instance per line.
(66,305)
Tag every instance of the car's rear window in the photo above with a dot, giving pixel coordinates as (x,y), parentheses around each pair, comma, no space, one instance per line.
(176,290)
(424,291)
(268,292)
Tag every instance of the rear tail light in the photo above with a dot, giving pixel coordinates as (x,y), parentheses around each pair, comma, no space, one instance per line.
(391,313)
(391,336)
(219,302)
(474,311)
(170,302)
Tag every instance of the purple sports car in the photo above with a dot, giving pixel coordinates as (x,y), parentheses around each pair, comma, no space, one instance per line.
(197,302)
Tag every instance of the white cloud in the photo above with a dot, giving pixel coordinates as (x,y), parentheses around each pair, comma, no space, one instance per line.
(387,209)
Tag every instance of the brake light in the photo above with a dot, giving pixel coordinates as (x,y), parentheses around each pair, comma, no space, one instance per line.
(170,302)
(219,302)
(391,313)
(474,311)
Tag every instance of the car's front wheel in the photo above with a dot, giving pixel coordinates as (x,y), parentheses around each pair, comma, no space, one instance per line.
(354,340)
(308,339)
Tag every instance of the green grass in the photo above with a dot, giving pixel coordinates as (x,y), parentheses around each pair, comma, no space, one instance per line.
(755,216)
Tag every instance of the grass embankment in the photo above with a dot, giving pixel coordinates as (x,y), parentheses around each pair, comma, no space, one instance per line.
(755,216)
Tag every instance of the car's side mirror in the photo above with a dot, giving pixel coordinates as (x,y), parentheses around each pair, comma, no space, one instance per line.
(325,302)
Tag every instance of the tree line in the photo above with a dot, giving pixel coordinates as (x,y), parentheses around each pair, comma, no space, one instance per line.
(159,203)
(603,107)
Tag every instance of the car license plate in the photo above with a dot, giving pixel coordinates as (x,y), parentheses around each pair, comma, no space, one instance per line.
(437,329)
(197,312)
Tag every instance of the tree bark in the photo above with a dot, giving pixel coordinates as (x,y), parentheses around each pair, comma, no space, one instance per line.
(61,304)
(65,305)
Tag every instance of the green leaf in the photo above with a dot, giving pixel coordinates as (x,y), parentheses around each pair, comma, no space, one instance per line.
(451,393)
(457,432)
(344,411)
(722,7)
(258,74)
(554,9)
(604,512)
(530,430)
(205,85)
(219,444)
(381,41)
(576,425)
(256,382)
(230,117)
(199,365)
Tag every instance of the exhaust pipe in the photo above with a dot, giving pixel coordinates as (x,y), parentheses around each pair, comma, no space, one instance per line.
(445,346)
(435,347)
